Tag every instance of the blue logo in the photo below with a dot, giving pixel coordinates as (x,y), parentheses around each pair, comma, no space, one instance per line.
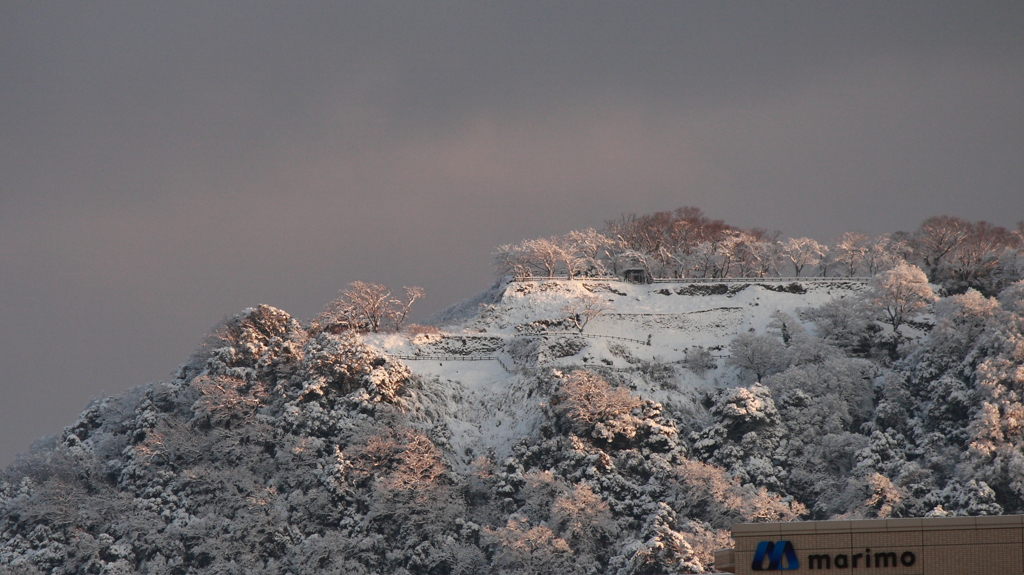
(775,552)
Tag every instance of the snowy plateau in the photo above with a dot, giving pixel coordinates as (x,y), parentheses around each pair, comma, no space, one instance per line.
(646,329)
(587,426)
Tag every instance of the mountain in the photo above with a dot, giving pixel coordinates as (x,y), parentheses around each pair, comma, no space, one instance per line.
(586,425)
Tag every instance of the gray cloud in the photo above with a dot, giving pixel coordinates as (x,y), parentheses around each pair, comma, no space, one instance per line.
(162,165)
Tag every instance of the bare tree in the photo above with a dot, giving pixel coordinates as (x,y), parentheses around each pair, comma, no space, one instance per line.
(582,251)
(400,308)
(369,307)
(581,310)
(936,238)
(642,233)
(337,315)
(679,230)
(978,254)
(703,257)
(514,260)
(727,254)
(746,257)
(546,254)
(801,252)
(369,302)
(765,257)
(824,260)
(883,253)
(850,251)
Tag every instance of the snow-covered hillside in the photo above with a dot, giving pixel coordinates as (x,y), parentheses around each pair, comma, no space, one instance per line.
(488,357)
(574,426)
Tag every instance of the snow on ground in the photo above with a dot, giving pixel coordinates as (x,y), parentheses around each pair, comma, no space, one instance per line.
(523,333)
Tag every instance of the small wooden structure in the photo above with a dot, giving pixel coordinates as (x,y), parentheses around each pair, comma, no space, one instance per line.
(637,276)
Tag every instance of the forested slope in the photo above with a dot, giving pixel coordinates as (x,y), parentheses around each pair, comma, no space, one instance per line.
(583,425)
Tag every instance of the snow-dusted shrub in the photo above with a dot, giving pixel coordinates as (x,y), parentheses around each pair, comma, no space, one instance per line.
(558,347)
(699,360)
(621,351)
(843,322)
(659,373)
(785,327)
(344,363)
(537,351)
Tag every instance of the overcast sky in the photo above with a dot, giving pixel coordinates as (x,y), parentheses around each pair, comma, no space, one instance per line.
(164,164)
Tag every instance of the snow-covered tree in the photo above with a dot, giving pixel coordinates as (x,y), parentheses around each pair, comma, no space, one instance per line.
(760,355)
(634,259)
(850,251)
(513,260)
(1010,267)
(883,253)
(976,258)
(801,252)
(583,519)
(521,548)
(824,259)
(583,251)
(366,304)
(758,255)
(369,307)
(546,254)
(586,400)
(744,433)
(900,294)
(843,322)
(282,447)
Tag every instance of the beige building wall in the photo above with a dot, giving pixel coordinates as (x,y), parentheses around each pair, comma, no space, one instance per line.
(940,546)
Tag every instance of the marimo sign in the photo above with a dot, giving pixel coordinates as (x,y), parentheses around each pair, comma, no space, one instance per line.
(929,546)
(782,556)
(842,560)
